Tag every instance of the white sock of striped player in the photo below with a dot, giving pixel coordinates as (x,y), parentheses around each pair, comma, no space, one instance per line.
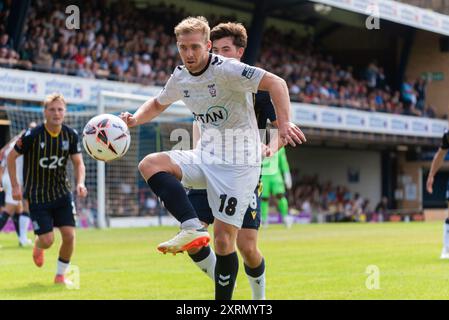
(24,221)
(446,233)
(205,259)
(256,279)
(62,266)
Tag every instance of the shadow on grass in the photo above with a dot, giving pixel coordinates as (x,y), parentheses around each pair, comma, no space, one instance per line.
(15,248)
(33,291)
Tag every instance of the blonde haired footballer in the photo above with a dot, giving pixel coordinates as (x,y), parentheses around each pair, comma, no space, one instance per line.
(218,92)
(46,150)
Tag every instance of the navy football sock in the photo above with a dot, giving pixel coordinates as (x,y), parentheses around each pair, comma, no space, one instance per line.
(257,271)
(172,194)
(226,269)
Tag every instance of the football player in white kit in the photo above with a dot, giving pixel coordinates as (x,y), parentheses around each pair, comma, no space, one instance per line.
(218,91)
(18,210)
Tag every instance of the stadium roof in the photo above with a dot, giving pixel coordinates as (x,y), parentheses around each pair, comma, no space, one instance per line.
(441,6)
(394,11)
(327,14)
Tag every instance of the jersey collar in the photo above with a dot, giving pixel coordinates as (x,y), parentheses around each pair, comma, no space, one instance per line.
(51,133)
(196,74)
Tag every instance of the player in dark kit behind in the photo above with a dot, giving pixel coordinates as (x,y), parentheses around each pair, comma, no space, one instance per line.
(229,40)
(46,150)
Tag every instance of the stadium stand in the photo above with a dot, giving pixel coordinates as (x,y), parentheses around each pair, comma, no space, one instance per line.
(122,43)
(337,203)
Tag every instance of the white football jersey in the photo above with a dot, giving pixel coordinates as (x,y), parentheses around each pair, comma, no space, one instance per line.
(19,163)
(220,98)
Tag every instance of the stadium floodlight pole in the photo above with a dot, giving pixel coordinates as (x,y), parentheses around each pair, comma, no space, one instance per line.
(101,177)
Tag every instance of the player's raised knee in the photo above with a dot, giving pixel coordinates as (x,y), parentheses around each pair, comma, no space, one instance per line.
(158,162)
(143,164)
(148,167)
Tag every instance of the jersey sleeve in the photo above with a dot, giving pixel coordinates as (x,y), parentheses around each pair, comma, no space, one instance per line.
(75,145)
(171,91)
(444,142)
(283,163)
(24,143)
(241,77)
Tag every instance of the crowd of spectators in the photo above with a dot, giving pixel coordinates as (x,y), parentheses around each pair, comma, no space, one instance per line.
(9,58)
(333,203)
(117,41)
(114,43)
(315,78)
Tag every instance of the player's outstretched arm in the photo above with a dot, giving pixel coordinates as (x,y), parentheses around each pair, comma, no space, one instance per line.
(437,162)
(289,133)
(146,112)
(16,189)
(80,174)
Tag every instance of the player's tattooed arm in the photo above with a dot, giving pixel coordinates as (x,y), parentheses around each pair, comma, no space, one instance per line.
(146,112)
(289,133)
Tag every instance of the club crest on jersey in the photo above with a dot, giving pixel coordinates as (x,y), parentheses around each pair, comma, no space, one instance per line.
(65,145)
(212,90)
(186,94)
(42,145)
(215,115)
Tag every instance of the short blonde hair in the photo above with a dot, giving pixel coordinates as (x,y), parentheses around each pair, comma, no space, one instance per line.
(54,97)
(193,24)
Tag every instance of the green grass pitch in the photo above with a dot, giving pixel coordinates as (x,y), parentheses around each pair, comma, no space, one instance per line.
(328,261)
